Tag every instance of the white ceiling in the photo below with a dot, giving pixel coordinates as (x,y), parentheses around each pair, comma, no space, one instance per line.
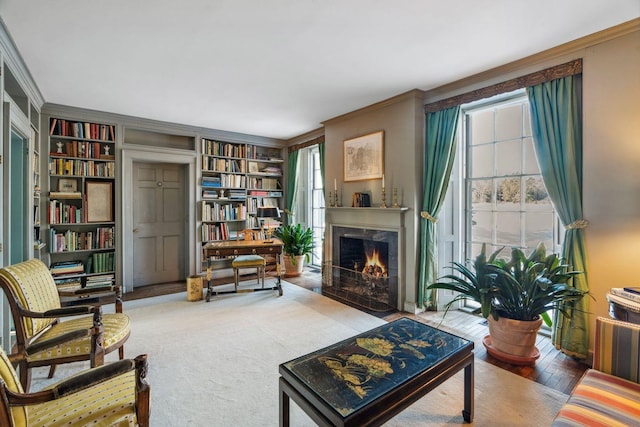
(278,68)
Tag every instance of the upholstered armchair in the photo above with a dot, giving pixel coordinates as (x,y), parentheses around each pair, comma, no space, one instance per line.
(609,393)
(42,338)
(113,394)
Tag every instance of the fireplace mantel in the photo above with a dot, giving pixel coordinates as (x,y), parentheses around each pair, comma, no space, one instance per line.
(366,217)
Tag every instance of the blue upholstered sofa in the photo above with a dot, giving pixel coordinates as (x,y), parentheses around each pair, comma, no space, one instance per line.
(609,394)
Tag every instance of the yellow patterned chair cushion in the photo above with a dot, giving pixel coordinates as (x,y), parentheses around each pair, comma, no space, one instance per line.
(248,261)
(117,326)
(111,403)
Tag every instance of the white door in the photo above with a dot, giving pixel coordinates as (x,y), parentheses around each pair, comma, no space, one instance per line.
(159,223)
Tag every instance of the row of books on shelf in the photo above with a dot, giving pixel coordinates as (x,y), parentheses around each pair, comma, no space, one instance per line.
(214,164)
(213,211)
(265,193)
(71,240)
(264,202)
(101,262)
(254,153)
(264,183)
(82,149)
(209,232)
(224,149)
(631,293)
(64,213)
(75,129)
(71,284)
(58,166)
(224,181)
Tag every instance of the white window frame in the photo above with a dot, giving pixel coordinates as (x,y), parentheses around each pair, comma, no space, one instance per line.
(454,225)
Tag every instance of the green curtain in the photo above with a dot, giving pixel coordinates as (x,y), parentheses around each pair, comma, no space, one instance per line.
(440,149)
(557,135)
(292,184)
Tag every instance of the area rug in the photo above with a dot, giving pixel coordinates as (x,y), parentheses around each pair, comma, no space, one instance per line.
(216,363)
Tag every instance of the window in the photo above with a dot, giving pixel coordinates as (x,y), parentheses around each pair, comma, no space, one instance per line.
(506,202)
(310,201)
(317,204)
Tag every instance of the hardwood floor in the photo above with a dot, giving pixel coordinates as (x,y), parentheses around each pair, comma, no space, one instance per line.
(553,369)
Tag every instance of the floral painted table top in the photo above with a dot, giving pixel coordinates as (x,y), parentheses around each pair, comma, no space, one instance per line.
(354,372)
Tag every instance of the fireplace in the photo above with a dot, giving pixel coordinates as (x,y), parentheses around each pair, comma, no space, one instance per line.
(364,268)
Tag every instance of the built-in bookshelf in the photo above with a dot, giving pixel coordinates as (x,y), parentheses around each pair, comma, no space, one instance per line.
(38,244)
(264,181)
(236,179)
(80,204)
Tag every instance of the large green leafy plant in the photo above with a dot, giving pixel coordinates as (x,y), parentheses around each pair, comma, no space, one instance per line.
(296,241)
(521,288)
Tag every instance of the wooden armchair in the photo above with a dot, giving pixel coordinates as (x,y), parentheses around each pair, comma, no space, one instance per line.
(41,338)
(113,394)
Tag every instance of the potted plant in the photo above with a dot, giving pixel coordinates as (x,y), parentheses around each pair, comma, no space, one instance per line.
(297,245)
(514,296)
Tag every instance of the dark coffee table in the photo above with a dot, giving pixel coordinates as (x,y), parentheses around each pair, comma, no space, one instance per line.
(368,379)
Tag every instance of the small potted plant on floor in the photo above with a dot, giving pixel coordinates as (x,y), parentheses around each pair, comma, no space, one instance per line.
(515,296)
(297,245)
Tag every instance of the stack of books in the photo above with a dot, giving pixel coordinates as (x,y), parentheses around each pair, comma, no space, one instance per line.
(67,268)
(101,280)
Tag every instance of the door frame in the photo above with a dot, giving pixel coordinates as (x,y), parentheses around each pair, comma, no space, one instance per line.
(155,155)
(12,118)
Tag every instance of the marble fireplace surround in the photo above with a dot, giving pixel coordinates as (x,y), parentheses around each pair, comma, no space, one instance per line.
(384,219)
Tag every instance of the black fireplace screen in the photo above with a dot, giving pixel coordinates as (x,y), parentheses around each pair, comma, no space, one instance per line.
(364,268)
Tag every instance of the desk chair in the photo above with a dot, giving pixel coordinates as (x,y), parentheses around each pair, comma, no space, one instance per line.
(248,261)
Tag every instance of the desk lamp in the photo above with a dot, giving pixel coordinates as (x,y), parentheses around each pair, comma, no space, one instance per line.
(268,213)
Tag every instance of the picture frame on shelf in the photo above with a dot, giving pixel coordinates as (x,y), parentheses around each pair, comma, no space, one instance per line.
(253,167)
(99,201)
(67,185)
(363,157)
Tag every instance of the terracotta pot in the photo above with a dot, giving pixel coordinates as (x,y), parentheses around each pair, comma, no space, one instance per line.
(514,337)
(293,270)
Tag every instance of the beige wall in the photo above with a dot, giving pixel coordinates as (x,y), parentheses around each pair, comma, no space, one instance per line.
(402,120)
(611,144)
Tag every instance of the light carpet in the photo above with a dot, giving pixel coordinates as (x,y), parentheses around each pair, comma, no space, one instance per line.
(216,363)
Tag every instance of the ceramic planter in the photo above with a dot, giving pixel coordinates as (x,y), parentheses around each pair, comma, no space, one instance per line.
(514,337)
(293,270)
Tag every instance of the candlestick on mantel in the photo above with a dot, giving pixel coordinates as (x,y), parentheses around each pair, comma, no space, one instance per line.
(382,180)
(335,184)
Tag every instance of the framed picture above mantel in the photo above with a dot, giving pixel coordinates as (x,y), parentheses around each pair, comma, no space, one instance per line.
(363,157)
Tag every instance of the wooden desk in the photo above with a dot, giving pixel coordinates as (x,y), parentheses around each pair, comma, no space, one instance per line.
(241,247)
